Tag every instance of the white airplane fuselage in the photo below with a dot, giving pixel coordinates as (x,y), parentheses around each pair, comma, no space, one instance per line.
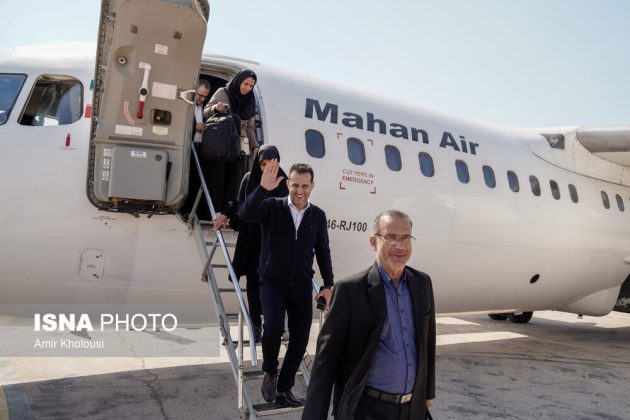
(481,246)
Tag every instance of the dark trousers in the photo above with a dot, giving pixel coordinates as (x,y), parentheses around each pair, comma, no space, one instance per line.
(223,180)
(277,299)
(253,296)
(373,409)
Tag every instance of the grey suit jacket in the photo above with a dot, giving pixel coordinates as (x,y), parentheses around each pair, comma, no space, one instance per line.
(350,335)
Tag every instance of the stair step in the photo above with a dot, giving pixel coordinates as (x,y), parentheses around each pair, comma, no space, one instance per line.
(272,409)
(235,343)
(208,225)
(258,374)
(253,374)
(219,265)
(246,342)
(209,222)
(231,290)
(228,244)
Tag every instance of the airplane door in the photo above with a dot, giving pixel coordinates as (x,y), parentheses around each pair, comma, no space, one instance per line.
(147,65)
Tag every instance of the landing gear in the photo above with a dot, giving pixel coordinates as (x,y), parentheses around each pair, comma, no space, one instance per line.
(522,318)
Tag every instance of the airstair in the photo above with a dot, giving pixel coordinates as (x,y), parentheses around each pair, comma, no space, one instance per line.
(209,242)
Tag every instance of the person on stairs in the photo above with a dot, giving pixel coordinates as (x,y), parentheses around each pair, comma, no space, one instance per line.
(293,232)
(247,251)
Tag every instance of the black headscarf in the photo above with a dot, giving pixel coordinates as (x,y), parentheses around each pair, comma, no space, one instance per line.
(247,250)
(266,151)
(242,105)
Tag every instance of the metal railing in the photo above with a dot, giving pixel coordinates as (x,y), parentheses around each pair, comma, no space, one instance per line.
(207,270)
(236,356)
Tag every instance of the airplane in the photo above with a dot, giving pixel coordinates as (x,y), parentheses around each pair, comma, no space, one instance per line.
(507,220)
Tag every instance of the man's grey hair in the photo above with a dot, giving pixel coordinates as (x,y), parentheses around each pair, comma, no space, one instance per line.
(391,214)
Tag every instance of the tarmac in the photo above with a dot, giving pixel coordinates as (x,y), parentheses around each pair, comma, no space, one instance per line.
(555,367)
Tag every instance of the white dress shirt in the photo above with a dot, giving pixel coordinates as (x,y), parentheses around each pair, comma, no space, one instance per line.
(198,119)
(297,214)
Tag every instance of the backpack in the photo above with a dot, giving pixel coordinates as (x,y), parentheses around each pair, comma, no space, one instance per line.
(221,139)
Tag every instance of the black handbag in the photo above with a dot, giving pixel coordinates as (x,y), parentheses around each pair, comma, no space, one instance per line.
(221,139)
(428,416)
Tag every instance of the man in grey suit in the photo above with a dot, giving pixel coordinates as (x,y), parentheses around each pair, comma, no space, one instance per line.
(377,345)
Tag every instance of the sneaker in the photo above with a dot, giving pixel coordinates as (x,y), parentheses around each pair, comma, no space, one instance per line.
(287,399)
(268,387)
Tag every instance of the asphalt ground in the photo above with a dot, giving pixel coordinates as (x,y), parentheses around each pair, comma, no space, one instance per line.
(555,367)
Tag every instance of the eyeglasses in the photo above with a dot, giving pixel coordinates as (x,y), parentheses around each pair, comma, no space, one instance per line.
(392,239)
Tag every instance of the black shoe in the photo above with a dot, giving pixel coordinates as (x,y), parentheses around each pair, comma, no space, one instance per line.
(257,334)
(287,399)
(268,387)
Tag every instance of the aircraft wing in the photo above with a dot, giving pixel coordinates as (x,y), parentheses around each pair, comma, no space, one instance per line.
(609,143)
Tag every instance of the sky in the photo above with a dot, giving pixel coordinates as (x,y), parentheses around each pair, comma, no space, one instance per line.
(504,62)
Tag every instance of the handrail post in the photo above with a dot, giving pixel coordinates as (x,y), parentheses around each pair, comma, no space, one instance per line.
(194,208)
(240,361)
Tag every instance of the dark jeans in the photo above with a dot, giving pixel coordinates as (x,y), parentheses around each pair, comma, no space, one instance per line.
(253,296)
(372,409)
(277,299)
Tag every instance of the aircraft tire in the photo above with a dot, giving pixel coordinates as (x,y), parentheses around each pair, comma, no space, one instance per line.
(498,317)
(520,319)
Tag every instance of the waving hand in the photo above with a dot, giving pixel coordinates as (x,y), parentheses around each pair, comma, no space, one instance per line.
(269,179)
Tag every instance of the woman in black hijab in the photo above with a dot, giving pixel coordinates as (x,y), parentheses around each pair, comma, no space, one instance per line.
(238,95)
(222,177)
(239,91)
(247,252)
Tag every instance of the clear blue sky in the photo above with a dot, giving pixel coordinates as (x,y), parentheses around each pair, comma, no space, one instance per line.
(534,62)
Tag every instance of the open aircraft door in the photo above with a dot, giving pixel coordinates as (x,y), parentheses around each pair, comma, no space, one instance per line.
(148,59)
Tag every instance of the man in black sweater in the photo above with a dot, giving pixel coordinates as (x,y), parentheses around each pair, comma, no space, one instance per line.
(293,232)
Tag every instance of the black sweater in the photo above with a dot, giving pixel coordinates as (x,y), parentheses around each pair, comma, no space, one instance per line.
(286,255)
(247,251)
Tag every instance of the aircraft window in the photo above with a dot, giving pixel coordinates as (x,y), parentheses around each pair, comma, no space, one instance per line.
(462,171)
(356,151)
(605,200)
(426,164)
(513,181)
(392,157)
(533,181)
(573,192)
(620,202)
(10,86)
(555,190)
(54,100)
(488,176)
(315,145)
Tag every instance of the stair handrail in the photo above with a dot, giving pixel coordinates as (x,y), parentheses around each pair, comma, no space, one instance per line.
(226,255)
